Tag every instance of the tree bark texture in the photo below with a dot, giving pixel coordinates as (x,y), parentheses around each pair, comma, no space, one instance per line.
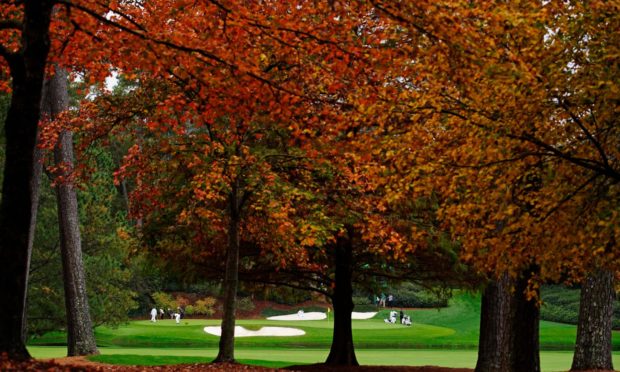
(593,346)
(80,335)
(494,339)
(226,351)
(17,210)
(509,326)
(342,350)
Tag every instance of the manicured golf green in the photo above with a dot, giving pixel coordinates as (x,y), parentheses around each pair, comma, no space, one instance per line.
(446,337)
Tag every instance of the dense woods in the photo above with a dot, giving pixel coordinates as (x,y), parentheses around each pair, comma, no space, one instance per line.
(318,145)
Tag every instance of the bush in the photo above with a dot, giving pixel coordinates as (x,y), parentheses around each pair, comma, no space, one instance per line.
(411,295)
(288,296)
(245,304)
(189,310)
(164,300)
(361,300)
(205,306)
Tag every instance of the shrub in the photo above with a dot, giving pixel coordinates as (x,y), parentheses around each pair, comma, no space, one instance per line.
(164,300)
(412,295)
(205,306)
(288,296)
(182,301)
(245,304)
(361,300)
(189,310)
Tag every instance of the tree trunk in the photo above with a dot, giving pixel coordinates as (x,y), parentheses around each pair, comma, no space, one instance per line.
(342,350)
(593,346)
(495,327)
(227,339)
(525,353)
(17,213)
(80,336)
(508,328)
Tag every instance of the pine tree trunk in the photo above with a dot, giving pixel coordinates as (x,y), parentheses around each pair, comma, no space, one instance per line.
(508,328)
(80,336)
(227,339)
(593,346)
(17,207)
(342,350)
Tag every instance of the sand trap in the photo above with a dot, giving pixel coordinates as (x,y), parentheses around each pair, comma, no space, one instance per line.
(319,316)
(300,316)
(358,315)
(264,331)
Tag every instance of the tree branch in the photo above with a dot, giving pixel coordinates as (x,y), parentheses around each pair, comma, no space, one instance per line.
(10,24)
(588,134)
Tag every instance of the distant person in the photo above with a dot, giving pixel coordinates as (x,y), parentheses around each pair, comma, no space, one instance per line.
(177,317)
(406,320)
(382,300)
(377,300)
(153,315)
(392,318)
(401,316)
(390,299)
(181,312)
(161,313)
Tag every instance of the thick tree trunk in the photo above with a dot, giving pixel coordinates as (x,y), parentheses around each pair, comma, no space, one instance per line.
(525,353)
(593,346)
(80,336)
(342,350)
(227,339)
(495,327)
(508,328)
(17,214)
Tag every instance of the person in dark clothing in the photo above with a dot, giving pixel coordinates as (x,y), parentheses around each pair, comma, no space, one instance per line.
(401,316)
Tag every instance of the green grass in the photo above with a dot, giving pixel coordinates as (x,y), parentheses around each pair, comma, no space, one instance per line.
(550,360)
(451,333)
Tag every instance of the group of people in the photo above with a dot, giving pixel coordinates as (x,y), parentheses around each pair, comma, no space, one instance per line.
(384,300)
(404,318)
(176,315)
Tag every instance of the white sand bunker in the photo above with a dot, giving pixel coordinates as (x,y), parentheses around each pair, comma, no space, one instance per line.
(319,316)
(264,331)
(358,315)
(300,316)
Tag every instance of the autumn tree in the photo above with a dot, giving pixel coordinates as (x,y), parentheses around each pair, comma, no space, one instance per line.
(514,102)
